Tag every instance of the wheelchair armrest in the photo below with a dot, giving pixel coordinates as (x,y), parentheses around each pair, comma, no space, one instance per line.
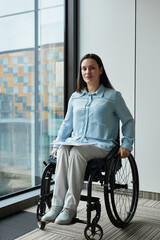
(113,152)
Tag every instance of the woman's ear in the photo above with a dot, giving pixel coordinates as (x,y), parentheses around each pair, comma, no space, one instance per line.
(101,70)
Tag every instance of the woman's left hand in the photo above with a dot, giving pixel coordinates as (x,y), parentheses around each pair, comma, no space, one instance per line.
(124,152)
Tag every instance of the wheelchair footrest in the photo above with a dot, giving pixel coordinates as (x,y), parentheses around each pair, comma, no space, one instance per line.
(77,220)
(93,199)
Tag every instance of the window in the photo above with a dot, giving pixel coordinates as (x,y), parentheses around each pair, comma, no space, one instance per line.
(31,88)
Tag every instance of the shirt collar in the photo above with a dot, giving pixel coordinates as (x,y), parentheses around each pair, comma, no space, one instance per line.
(99,92)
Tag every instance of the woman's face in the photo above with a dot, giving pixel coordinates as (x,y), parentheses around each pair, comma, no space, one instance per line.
(91,71)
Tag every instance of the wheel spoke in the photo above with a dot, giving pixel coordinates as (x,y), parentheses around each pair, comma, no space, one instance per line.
(97,235)
(121,199)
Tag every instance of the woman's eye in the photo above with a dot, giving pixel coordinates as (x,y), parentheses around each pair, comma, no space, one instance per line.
(90,68)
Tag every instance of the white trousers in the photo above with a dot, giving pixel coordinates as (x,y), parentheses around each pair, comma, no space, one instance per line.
(70,171)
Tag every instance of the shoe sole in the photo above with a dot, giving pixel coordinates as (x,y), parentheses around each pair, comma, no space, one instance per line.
(67,223)
(48,221)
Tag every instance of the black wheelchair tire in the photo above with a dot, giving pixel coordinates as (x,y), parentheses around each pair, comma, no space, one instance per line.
(46,195)
(41,225)
(127,192)
(97,234)
(47,192)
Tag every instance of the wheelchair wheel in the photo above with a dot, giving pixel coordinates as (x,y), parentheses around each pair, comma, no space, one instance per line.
(121,190)
(46,195)
(48,192)
(41,225)
(95,234)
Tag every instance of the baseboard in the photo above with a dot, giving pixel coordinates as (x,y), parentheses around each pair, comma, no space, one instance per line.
(18,203)
(142,194)
(149,195)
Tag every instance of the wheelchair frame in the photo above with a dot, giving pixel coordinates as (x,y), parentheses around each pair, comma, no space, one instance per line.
(120,180)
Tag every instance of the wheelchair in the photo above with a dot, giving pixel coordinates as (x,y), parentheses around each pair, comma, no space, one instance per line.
(119,178)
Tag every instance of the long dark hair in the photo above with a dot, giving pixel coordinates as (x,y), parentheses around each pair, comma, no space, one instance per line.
(81,84)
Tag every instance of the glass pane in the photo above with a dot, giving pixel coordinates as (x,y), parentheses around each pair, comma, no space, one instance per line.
(16,121)
(51,77)
(51,25)
(16,147)
(21,152)
(50,3)
(17,81)
(17,32)
(11,7)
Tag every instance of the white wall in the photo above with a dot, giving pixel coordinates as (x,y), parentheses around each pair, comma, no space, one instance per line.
(107,28)
(148,94)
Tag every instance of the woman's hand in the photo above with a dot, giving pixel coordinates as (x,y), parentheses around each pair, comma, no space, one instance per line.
(54,150)
(124,152)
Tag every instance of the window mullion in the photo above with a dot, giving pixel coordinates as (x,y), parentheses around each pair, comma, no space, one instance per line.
(36,111)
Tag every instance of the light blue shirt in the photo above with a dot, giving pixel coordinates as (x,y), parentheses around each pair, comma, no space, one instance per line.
(95,118)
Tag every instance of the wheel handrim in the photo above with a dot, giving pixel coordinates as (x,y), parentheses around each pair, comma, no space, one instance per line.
(124,196)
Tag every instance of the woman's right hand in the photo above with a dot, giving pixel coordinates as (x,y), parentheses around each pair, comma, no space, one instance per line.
(54,150)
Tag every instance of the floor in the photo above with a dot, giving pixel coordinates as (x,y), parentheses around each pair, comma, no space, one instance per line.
(144,226)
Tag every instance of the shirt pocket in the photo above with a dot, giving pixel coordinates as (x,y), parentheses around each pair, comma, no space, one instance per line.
(101,112)
(97,130)
(99,116)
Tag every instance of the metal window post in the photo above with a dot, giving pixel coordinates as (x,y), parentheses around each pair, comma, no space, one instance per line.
(34,164)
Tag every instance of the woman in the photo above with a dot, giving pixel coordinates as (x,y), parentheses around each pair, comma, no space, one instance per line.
(93,115)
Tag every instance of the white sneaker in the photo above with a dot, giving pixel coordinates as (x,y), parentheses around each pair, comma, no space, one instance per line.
(66,216)
(52,214)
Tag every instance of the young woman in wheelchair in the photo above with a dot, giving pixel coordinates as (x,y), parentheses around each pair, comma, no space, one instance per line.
(93,115)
